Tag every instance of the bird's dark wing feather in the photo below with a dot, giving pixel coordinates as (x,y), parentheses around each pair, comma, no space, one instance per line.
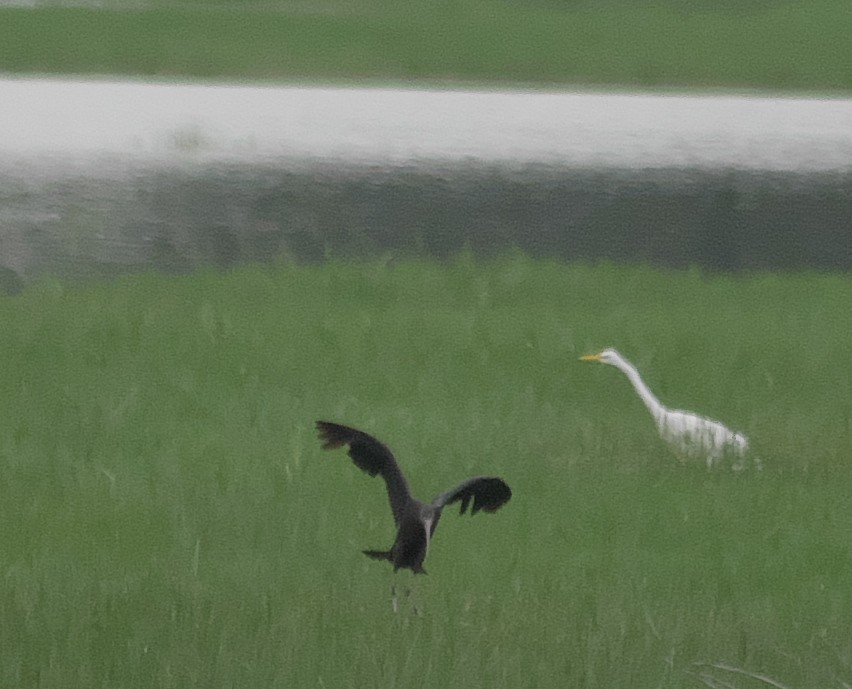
(371,456)
(487,493)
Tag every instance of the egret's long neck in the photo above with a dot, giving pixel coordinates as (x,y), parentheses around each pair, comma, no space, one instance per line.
(643,390)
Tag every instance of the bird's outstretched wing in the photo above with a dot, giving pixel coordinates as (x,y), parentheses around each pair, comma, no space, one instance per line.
(371,456)
(488,493)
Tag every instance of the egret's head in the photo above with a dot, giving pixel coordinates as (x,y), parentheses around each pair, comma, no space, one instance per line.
(607,356)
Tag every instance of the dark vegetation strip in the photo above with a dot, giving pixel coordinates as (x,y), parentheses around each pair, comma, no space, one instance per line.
(178,220)
(775,45)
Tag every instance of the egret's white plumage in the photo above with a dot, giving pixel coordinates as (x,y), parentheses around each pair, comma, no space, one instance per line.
(691,435)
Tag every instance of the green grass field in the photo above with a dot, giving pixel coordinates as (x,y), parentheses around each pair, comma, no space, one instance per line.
(764,44)
(170,521)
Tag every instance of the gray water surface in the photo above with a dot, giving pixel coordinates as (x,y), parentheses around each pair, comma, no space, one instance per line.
(99,177)
(391,126)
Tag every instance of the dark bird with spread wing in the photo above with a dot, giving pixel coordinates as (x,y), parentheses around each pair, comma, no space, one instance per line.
(415,520)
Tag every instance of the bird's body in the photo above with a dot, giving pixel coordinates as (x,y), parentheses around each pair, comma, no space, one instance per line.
(690,435)
(415,520)
(413,533)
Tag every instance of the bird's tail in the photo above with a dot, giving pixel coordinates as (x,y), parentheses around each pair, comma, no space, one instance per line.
(378,554)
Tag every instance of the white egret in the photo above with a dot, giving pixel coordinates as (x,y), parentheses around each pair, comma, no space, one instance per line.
(690,435)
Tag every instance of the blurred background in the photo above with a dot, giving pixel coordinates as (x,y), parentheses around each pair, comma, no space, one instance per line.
(172,135)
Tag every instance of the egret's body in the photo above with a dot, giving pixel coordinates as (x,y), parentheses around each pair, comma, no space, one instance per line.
(690,435)
(415,520)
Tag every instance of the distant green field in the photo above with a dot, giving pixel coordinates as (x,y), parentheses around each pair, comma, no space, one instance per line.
(766,44)
(170,521)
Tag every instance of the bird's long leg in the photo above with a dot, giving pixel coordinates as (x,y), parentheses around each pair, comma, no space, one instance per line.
(408,597)
(409,593)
